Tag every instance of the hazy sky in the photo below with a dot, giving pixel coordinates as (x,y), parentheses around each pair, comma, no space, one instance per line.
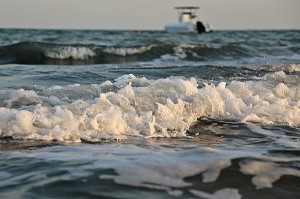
(147,14)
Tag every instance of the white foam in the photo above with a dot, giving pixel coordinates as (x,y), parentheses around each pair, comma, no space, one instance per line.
(162,174)
(174,192)
(281,138)
(128,51)
(133,106)
(281,77)
(15,98)
(179,52)
(77,53)
(220,194)
(20,98)
(265,173)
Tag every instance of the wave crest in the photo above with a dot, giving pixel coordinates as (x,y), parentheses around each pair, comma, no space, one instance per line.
(133,106)
(127,51)
(44,53)
(290,68)
(76,53)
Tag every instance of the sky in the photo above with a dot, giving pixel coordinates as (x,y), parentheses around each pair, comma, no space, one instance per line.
(147,14)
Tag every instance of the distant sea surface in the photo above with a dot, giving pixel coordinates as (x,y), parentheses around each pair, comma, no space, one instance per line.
(119,114)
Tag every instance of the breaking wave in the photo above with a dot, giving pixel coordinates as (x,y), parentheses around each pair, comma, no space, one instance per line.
(140,107)
(45,53)
(289,68)
(76,53)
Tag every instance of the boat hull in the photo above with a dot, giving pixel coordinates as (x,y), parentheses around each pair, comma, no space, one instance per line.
(185,28)
(180,28)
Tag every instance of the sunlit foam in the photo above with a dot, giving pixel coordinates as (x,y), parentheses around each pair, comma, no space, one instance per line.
(133,106)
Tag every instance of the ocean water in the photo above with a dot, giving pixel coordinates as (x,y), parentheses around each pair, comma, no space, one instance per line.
(116,114)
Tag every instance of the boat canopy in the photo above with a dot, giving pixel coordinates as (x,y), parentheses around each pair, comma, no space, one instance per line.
(187,8)
(190,10)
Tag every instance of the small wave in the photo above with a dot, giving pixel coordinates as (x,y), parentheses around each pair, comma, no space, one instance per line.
(290,68)
(127,51)
(76,53)
(46,53)
(133,106)
(280,77)
(22,53)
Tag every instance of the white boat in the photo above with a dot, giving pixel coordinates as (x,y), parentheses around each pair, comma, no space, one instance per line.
(188,21)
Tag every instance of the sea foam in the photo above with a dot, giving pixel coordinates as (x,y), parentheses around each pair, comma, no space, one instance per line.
(133,106)
(77,53)
(128,51)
